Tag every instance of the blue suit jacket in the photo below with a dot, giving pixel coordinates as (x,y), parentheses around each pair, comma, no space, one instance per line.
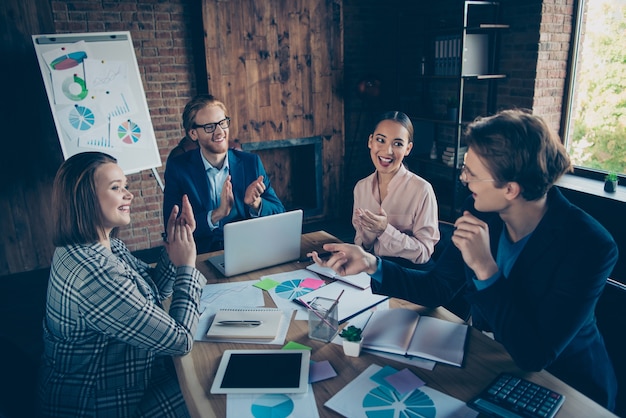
(185,174)
(544,311)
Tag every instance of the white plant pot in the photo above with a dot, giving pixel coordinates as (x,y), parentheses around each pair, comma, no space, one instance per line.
(352,348)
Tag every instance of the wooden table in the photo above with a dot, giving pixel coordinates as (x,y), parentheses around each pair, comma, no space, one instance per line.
(484,358)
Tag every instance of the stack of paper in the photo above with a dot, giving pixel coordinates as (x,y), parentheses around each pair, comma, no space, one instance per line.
(448,156)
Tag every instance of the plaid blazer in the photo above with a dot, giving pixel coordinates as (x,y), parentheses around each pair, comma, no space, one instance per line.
(106,333)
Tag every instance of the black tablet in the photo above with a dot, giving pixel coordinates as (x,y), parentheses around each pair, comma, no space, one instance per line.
(263,371)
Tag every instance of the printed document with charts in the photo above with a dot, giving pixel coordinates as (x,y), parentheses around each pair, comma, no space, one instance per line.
(361,280)
(406,332)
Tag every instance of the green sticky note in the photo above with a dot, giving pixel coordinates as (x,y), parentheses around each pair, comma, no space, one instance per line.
(292,345)
(266,284)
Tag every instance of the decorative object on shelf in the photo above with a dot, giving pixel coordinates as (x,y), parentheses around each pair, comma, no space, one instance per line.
(433,151)
(369,88)
(610,182)
(450,154)
(452,107)
(352,340)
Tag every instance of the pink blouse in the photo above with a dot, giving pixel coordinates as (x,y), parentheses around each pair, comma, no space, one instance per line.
(412,215)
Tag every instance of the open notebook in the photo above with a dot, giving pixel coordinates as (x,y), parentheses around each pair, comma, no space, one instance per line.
(261,242)
(406,332)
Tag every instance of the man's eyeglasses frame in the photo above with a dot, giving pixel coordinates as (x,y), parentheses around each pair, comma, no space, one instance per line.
(209,128)
(464,177)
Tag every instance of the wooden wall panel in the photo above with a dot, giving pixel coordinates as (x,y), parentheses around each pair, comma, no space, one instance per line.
(278,67)
(30,151)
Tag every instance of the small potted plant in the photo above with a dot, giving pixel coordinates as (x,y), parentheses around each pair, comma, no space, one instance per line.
(351,340)
(610,182)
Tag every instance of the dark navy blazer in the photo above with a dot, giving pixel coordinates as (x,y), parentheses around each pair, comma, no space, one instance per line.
(185,174)
(544,311)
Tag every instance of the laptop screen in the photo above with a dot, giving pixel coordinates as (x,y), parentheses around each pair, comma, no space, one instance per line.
(261,242)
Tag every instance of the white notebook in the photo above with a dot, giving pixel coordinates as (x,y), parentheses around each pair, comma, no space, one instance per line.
(361,280)
(241,323)
(406,332)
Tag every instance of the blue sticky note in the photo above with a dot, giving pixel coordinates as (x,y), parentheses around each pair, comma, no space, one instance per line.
(404,381)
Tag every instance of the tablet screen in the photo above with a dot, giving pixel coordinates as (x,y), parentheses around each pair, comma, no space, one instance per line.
(262,371)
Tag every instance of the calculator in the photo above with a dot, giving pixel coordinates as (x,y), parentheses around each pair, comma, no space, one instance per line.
(515,397)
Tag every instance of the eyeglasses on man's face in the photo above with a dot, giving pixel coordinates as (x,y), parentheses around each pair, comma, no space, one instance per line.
(211,127)
(467,176)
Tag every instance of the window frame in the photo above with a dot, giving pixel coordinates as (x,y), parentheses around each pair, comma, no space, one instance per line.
(570,80)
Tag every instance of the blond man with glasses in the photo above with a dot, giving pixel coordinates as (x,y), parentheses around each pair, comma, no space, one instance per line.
(223,184)
(531,265)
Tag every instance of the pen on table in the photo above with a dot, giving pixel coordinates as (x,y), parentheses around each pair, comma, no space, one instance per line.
(298,302)
(333,305)
(310,308)
(245,323)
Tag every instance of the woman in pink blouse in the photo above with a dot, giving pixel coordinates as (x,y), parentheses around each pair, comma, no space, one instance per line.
(395,210)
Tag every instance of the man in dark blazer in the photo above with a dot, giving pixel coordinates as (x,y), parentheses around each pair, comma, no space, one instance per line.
(223,184)
(531,265)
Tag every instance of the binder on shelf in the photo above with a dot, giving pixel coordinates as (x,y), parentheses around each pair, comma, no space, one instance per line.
(475,55)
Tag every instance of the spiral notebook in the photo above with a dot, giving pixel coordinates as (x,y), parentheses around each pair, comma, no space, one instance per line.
(245,323)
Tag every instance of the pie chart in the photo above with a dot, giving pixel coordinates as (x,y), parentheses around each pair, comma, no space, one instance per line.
(290,289)
(272,406)
(129,132)
(383,402)
(81,118)
(74,88)
(70,60)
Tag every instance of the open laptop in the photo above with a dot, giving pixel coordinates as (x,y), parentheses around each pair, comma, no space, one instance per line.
(257,243)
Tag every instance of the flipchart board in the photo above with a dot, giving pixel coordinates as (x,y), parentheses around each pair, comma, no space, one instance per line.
(97,97)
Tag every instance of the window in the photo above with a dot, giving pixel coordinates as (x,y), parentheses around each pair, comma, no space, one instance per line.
(596,113)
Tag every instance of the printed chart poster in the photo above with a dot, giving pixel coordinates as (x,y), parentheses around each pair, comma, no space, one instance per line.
(366,397)
(96,96)
(293,285)
(275,405)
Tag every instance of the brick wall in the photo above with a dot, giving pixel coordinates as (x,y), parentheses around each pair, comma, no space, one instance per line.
(163,37)
(552,62)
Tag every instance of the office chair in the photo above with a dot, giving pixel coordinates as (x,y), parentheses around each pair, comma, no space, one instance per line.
(611,317)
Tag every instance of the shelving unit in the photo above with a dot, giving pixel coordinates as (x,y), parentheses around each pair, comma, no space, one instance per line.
(464,71)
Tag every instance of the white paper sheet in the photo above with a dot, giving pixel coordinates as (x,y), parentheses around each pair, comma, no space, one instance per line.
(292,405)
(363,397)
(289,288)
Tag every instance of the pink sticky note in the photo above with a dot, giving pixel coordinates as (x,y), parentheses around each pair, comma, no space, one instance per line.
(404,381)
(311,283)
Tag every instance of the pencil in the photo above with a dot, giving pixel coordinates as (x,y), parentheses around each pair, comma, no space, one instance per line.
(333,305)
(323,318)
